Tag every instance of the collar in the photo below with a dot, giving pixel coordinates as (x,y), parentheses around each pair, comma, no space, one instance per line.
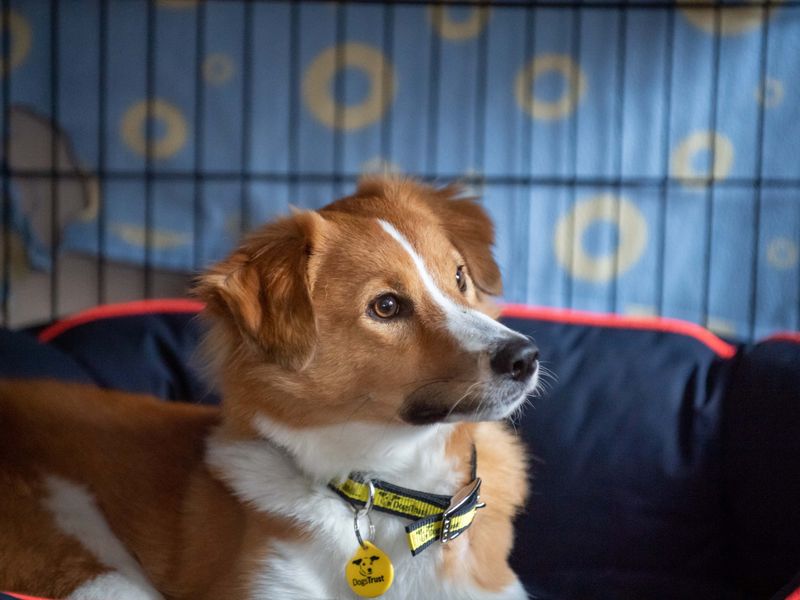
(435,516)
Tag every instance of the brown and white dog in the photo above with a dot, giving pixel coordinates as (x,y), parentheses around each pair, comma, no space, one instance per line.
(355,338)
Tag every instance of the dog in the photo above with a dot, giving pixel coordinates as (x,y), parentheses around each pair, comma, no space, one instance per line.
(365,565)
(364,380)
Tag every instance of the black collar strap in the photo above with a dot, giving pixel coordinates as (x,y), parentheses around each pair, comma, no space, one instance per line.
(436,517)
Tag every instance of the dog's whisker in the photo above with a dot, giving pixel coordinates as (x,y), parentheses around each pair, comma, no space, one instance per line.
(463,397)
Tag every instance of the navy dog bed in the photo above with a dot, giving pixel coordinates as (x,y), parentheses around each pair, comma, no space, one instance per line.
(664,460)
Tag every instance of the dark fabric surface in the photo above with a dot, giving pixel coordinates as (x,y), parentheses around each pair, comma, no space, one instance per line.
(660,469)
(626,490)
(762,466)
(791,591)
(21,355)
(150,353)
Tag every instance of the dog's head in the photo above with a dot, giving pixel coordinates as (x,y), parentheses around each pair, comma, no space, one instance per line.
(365,564)
(376,308)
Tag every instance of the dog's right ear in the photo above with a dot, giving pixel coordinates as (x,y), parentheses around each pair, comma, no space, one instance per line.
(263,289)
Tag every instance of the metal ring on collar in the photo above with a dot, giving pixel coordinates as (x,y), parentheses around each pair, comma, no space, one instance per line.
(364,512)
(361,512)
(371,529)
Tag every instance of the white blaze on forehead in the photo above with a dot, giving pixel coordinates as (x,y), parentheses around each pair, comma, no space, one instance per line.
(475,331)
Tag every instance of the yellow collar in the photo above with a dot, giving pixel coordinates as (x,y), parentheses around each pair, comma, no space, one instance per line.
(436,517)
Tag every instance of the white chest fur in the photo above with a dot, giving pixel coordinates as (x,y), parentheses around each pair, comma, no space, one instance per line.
(314,569)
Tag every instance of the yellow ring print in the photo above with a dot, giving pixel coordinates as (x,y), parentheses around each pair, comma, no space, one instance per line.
(21,38)
(218,68)
(698,141)
(570,230)
(732,21)
(91,189)
(783,253)
(458,30)
(318,92)
(770,93)
(545,63)
(134,125)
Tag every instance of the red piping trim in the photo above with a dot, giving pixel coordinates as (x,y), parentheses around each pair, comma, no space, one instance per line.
(578,317)
(784,336)
(795,595)
(23,597)
(542,313)
(124,309)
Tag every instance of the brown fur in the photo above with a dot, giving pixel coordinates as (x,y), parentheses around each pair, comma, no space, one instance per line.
(27,528)
(288,324)
(481,555)
(143,458)
(347,260)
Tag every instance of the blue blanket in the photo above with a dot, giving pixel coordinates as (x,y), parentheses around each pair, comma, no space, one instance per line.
(589,132)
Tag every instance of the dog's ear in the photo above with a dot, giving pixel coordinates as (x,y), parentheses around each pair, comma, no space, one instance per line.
(469,229)
(263,289)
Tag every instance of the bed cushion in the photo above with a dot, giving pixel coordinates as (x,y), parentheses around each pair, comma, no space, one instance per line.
(145,347)
(644,479)
(762,467)
(22,355)
(627,495)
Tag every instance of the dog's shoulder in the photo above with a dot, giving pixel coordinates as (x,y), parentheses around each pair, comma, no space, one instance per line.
(502,467)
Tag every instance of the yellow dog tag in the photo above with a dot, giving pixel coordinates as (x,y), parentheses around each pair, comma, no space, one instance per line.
(369,572)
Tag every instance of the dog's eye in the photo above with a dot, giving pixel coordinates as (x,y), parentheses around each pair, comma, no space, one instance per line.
(461,280)
(386,306)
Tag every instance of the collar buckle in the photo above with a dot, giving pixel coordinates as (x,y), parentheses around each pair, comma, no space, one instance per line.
(469,493)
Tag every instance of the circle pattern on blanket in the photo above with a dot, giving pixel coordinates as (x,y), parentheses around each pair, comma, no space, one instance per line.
(20,43)
(574,89)
(605,208)
(318,93)
(458,30)
(770,93)
(783,253)
(732,21)
(165,145)
(682,167)
(218,68)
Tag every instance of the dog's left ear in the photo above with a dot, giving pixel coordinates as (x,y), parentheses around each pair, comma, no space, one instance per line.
(471,231)
(263,290)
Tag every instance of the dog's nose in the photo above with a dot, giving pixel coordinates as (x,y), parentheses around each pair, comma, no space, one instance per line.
(516,358)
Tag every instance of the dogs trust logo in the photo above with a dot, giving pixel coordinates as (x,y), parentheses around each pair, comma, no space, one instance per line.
(365,565)
(369,572)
